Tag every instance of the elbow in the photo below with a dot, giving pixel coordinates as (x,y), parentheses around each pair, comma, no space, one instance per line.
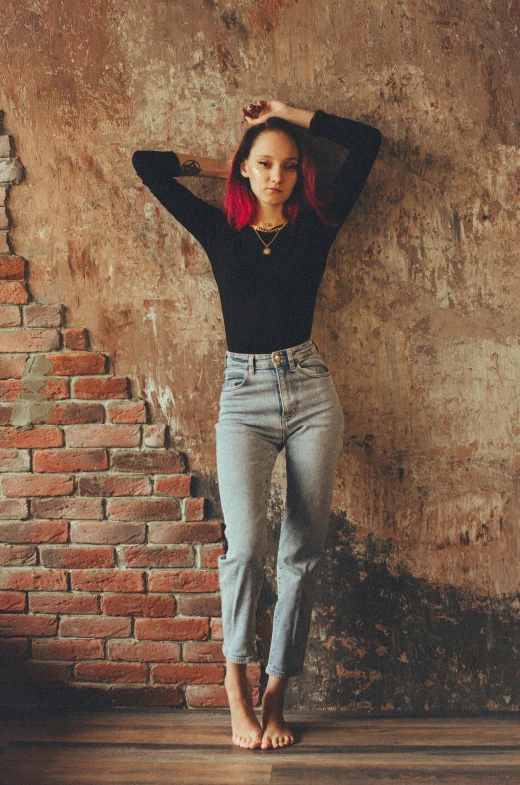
(139,161)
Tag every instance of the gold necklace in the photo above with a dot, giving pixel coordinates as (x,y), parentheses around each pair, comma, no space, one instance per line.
(276,229)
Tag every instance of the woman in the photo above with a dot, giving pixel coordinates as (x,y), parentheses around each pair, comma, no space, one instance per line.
(268,249)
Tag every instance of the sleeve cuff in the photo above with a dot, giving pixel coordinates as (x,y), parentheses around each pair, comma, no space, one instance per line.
(153,163)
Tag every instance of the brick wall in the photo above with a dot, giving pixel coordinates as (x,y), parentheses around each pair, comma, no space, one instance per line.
(108,577)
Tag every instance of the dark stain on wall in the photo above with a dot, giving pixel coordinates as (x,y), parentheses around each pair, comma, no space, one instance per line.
(383,641)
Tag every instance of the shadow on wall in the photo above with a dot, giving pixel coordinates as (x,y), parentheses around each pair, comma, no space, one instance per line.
(385,642)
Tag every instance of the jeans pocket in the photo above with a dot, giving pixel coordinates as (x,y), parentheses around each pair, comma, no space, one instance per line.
(234,379)
(313,365)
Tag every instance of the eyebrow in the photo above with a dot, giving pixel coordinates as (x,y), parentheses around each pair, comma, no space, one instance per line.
(289,158)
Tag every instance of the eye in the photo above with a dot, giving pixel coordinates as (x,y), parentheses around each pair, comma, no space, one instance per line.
(264,163)
(292,167)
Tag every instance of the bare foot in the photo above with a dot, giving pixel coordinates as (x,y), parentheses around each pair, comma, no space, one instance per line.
(245,728)
(276,733)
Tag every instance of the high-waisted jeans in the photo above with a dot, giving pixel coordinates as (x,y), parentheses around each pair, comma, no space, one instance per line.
(268,402)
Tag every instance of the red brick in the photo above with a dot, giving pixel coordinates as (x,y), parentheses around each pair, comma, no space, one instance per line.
(182,673)
(94,387)
(171,629)
(145,696)
(77,363)
(107,580)
(13,648)
(75,338)
(204,697)
(176,485)
(14,460)
(143,509)
(38,484)
(105,532)
(10,389)
(37,315)
(70,460)
(199,605)
(71,557)
(54,389)
(112,671)
(17,555)
(103,435)
(10,316)
(114,485)
(138,605)
(202,651)
(40,436)
(12,367)
(36,670)
(147,461)
(6,415)
(209,531)
(209,555)
(253,673)
(154,435)
(13,625)
(95,627)
(13,508)
(72,413)
(33,531)
(4,247)
(216,629)
(83,649)
(51,580)
(15,292)
(144,651)
(77,508)
(127,412)
(194,509)
(12,601)
(28,340)
(155,556)
(63,602)
(12,268)
(183,580)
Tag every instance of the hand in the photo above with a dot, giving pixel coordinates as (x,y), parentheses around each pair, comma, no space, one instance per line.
(260,111)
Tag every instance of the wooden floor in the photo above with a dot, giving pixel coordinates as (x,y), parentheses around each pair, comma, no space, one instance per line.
(194,748)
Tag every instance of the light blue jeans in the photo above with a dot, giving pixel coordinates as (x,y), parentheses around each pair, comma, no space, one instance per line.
(268,402)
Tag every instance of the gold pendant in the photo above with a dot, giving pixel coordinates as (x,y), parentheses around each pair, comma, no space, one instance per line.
(266,250)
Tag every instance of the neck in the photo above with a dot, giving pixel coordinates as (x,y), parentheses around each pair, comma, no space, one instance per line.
(267,216)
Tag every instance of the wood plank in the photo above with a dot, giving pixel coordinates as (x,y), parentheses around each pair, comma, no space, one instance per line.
(302,775)
(215,729)
(54,765)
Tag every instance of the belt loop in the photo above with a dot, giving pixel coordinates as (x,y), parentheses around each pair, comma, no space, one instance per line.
(251,364)
(290,357)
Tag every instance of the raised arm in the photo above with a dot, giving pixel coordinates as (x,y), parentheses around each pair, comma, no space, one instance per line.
(159,169)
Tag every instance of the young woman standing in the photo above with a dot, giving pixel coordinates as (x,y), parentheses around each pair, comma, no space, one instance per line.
(268,249)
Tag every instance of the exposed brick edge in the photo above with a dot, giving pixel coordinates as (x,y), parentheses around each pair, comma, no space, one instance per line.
(108,580)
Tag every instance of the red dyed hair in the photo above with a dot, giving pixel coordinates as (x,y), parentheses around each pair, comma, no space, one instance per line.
(240,203)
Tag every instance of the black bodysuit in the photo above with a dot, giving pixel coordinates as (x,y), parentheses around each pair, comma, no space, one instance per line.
(267,300)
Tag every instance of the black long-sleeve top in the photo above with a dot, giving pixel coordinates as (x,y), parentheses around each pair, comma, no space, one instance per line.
(267,301)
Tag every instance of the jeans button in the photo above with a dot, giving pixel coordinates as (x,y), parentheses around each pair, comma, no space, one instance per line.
(277,358)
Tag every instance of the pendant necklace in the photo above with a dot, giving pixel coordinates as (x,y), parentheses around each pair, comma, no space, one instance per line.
(277,230)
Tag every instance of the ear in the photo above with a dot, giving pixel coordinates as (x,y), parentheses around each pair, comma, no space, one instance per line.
(243,169)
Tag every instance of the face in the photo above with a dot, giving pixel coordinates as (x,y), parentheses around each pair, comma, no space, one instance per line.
(272,167)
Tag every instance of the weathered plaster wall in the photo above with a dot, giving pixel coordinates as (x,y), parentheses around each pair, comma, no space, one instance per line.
(418,311)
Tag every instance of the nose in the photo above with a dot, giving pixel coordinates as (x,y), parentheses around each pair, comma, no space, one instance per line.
(276,174)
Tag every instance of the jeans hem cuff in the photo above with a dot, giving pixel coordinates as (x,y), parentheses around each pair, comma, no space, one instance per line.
(283,674)
(240,660)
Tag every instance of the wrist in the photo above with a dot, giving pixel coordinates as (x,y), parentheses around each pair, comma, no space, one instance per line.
(301,117)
